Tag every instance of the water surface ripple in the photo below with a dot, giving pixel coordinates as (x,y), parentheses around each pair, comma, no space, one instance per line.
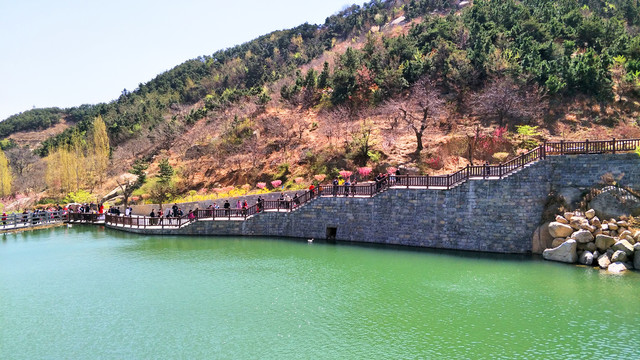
(90,293)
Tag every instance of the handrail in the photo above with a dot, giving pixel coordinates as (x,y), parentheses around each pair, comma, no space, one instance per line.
(370,189)
(21,221)
(491,171)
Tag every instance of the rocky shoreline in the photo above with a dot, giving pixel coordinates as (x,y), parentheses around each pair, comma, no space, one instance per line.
(585,239)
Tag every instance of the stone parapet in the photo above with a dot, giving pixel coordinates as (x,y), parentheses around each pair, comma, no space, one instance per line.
(479,215)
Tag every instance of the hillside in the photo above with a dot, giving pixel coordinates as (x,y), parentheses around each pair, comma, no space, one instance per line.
(426,85)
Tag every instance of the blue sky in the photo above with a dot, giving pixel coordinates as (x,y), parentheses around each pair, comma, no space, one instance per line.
(72,52)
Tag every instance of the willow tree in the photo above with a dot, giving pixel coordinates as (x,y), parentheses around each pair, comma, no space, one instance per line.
(5,175)
(66,167)
(99,150)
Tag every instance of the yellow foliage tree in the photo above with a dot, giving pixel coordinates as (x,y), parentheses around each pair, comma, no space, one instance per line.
(5,175)
(100,150)
(66,167)
(82,163)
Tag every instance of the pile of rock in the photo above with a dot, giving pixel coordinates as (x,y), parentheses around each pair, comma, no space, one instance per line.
(586,239)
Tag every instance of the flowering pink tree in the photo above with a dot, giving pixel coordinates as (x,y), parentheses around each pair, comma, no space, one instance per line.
(276,183)
(203,191)
(299,180)
(218,190)
(261,185)
(246,188)
(228,188)
(364,171)
(320,177)
(391,170)
(346,174)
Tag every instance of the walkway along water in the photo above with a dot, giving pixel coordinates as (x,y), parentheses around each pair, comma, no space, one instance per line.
(495,212)
(13,222)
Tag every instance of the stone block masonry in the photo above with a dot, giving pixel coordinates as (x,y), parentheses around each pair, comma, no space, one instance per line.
(479,215)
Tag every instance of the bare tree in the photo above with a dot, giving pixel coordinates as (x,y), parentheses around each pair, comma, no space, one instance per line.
(420,109)
(503,99)
(340,122)
(281,130)
(21,160)
(130,182)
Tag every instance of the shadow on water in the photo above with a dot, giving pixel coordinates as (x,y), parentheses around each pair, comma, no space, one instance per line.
(197,242)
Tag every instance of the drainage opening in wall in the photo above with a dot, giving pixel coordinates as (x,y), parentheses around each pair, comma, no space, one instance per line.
(331,233)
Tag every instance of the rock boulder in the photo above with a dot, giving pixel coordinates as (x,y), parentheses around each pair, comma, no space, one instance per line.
(617,267)
(559,230)
(561,220)
(590,213)
(603,261)
(566,252)
(541,239)
(623,245)
(603,242)
(619,255)
(582,236)
(615,202)
(586,258)
(636,256)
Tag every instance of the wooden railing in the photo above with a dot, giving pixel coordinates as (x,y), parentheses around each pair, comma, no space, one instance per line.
(486,171)
(18,221)
(372,188)
(144,222)
(592,147)
(82,217)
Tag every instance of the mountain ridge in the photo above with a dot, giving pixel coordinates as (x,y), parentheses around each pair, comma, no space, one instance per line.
(244,114)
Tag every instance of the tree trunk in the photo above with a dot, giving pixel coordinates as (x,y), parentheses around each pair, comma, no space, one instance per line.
(419,145)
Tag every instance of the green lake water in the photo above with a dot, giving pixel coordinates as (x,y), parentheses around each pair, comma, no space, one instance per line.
(91,293)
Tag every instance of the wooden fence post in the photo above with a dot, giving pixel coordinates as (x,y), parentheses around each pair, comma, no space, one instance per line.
(614,145)
(586,146)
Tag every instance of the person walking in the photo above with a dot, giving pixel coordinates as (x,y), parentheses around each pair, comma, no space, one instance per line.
(167,215)
(175,210)
(227,208)
(152,215)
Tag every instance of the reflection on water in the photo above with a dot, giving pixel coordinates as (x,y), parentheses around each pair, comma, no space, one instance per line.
(86,292)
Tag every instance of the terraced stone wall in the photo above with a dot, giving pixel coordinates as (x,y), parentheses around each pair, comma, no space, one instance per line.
(479,215)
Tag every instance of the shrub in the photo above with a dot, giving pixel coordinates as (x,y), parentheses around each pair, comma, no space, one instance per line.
(500,157)
(435,163)
(346,174)
(320,177)
(364,171)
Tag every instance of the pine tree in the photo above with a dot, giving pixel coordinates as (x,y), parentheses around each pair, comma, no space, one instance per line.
(5,175)
(163,189)
(323,79)
(166,171)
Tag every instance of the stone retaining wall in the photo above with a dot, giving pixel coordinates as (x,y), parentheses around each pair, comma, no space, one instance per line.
(479,215)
